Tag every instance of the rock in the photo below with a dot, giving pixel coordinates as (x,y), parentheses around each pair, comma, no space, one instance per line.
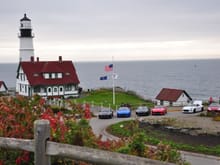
(184,130)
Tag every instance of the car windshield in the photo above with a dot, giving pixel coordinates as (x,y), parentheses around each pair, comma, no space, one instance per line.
(142,108)
(158,106)
(214,105)
(105,110)
(123,109)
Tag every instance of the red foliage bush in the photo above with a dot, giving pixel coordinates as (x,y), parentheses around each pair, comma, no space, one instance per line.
(17,115)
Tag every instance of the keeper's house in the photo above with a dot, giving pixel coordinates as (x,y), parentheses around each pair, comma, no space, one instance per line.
(3,87)
(49,79)
(173,97)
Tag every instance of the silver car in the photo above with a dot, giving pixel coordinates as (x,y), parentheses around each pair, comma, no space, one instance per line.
(105,113)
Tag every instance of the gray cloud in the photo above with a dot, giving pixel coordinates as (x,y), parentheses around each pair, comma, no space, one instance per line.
(138,19)
(114,20)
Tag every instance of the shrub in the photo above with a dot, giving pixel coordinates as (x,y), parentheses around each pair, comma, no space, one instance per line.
(137,145)
(17,115)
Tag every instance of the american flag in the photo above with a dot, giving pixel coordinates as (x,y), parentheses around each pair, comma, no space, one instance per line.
(109,68)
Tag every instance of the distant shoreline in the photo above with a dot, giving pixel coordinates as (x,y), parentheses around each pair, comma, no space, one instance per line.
(107,61)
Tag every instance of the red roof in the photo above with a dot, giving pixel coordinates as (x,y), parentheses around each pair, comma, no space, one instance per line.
(167,94)
(34,71)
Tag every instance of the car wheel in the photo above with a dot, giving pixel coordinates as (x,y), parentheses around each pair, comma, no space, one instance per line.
(194,110)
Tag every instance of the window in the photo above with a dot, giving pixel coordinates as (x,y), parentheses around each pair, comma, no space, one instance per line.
(50,75)
(53,75)
(36,89)
(68,87)
(22,76)
(49,90)
(46,75)
(61,89)
(55,89)
(59,75)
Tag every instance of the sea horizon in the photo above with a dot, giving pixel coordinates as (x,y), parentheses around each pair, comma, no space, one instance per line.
(135,60)
(199,78)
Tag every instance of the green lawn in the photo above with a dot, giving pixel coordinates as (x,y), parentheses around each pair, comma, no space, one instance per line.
(103,97)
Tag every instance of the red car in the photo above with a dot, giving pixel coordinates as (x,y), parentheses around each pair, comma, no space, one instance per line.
(214,107)
(159,110)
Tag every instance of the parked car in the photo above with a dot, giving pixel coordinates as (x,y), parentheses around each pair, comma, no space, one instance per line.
(142,111)
(159,110)
(105,113)
(196,106)
(214,107)
(123,112)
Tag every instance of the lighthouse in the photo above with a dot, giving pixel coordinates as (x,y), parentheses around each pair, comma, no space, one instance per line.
(26,50)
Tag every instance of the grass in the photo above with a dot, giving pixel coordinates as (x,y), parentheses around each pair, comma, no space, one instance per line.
(124,129)
(103,97)
(130,128)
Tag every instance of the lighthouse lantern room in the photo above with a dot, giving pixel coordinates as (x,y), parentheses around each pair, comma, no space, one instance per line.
(26,39)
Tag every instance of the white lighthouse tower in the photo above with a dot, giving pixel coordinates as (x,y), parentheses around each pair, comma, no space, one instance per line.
(26,39)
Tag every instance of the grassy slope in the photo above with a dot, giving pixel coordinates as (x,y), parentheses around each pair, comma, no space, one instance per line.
(104,97)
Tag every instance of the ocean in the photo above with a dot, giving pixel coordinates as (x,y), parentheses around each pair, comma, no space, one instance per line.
(199,78)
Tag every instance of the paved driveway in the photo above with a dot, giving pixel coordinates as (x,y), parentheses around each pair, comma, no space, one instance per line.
(99,126)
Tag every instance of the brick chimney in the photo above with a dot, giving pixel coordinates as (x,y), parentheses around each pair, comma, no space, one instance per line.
(60,58)
(32,58)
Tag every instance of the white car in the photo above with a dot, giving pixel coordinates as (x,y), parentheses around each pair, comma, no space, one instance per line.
(196,106)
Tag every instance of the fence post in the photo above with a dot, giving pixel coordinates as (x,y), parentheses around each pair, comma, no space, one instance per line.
(41,135)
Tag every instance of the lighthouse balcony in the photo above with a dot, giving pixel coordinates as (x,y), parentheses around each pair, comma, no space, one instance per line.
(31,35)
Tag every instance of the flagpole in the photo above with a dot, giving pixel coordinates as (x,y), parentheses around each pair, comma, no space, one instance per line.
(113,83)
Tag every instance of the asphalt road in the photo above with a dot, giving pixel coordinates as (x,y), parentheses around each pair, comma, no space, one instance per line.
(99,126)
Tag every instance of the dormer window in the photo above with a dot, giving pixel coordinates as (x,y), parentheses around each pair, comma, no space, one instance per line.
(59,75)
(53,76)
(46,75)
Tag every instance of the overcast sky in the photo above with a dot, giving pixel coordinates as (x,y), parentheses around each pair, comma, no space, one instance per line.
(94,30)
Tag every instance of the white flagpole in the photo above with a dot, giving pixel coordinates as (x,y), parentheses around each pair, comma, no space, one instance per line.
(113,82)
